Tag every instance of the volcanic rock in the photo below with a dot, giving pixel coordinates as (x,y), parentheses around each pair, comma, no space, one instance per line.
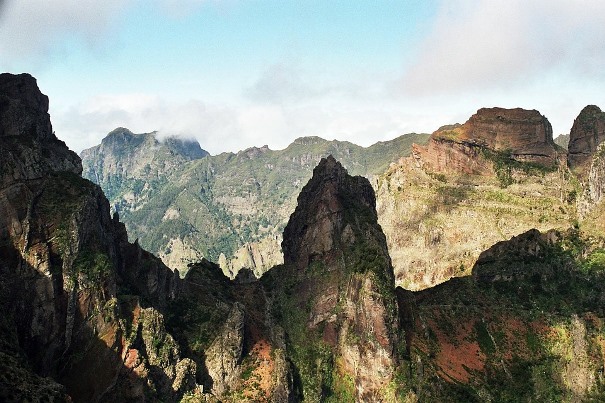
(29,148)
(524,135)
(587,132)
(66,267)
(336,288)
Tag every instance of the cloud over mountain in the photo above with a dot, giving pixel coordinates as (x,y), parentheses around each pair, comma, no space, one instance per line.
(476,45)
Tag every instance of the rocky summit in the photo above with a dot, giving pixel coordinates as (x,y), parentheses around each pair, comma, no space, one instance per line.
(496,176)
(30,148)
(77,298)
(587,132)
(523,135)
(335,291)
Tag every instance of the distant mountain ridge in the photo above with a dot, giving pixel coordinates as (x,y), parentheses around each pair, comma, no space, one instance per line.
(229,208)
(562,140)
(502,166)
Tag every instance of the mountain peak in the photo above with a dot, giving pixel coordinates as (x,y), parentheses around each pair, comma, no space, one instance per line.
(23,87)
(318,224)
(24,114)
(587,132)
(336,257)
(121,140)
(120,130)
(188,148)
(523,135)
(309,140)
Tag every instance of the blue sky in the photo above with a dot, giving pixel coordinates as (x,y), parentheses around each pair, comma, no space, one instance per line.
(235,74)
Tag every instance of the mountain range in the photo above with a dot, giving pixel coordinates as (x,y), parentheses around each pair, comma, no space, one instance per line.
(89,315)
(231,208)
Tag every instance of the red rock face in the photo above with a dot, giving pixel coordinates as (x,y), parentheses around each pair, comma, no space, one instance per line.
(527,134)
(587,132)
(336,251)
(451,157)
(524,134)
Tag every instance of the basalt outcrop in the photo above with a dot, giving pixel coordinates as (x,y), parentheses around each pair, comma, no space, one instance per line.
(587,132)
(596,177)
(335,292)
(523,135)
(29,147)
(82,307)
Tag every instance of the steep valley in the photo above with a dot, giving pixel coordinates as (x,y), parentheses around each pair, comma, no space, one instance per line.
(89,316)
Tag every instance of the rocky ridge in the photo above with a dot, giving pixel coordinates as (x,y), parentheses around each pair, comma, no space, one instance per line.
(83,308)
(525,327)
(29,146)
(90,316)
(93,317)
(496,176)
(525,136)
(587,132)
(140,161)
(230,208)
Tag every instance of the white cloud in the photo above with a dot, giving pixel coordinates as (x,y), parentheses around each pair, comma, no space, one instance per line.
(284,82)
(85,124)
(476,45)
(290,82)
(33,29)
(29,28)
(232,128)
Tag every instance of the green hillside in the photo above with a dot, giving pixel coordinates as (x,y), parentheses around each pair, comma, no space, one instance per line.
(229,208)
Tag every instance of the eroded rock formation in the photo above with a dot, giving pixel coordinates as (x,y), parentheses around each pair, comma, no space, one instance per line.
(496,176)
(587,132)
(66,267)
(523,135)
(335,292)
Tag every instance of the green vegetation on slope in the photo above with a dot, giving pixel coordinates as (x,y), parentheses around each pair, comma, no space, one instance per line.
(220,203)
(528,327)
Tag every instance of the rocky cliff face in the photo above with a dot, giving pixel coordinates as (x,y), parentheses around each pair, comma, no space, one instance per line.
(596,177)
(587,132)
(335,292)
(524,136)
(81,304)
(92,317)
(586,161)
(494,177)
(89,316)
(29,147)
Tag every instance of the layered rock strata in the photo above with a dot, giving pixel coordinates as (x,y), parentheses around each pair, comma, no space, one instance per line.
(524,135)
